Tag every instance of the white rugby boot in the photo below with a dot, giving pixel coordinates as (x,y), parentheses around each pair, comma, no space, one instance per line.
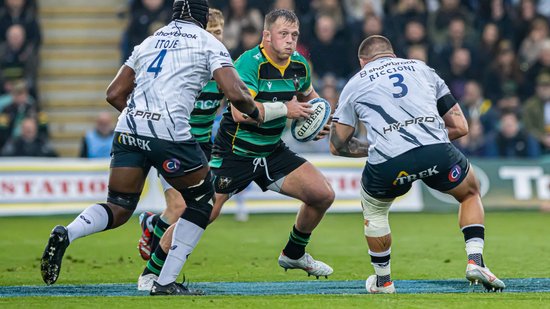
(477,274)
(371,287)
(145,282)
(306,263)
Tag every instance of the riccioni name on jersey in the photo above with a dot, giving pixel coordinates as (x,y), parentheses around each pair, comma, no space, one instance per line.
(267,82)
(171,67)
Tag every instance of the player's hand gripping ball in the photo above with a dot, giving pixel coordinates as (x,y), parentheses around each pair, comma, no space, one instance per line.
(304,130)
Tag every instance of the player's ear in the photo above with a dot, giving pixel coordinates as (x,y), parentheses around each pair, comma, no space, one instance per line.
(362,62)
(266,36)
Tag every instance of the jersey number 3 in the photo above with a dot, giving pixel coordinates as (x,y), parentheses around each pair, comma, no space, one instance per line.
(399,84)
(156,65)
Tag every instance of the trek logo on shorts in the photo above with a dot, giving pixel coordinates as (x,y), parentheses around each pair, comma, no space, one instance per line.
(128,140)
(405,178)
(454,173)
(223,182)
(171,165)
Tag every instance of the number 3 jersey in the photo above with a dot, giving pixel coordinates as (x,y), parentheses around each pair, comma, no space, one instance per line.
(171,67)
(396,99)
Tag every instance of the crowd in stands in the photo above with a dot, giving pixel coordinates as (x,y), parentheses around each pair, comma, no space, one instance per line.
(23,126)
(494,55)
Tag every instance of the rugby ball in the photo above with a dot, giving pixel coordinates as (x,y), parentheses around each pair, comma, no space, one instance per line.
(304,130)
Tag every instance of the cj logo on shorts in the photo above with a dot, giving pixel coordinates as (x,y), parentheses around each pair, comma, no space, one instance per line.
(454,174)
(171,165)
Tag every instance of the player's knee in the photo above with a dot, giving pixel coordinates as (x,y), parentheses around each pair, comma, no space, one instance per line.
(127,201)
(321,198)
(199,202)
(375,213)
(174,201)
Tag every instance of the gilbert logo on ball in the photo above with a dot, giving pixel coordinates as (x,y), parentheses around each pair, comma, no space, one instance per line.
(304,130)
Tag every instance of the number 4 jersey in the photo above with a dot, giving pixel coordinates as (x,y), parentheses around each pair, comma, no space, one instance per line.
(396,100)
(171,67)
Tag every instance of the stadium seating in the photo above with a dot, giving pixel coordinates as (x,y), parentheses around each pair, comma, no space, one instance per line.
(79,58)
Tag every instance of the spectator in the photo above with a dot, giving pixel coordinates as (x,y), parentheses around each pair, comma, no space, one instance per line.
(405,11)
(536,112)
(504,74)
(473,104)
(97,142)
(474,143)
(526,14)
(531,45)
(418,52)
(487,47)
(18,58)
(149,12)
(29,144)
(414,34)
(542,65)
(250,37)
(509,102)
(327,46)
(20,12)
(460,71)
(440,20)
(238,15)
(22,105)
(494,11)
(512,141)
(457,39)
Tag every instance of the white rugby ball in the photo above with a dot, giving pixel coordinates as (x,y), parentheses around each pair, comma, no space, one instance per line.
(304,130)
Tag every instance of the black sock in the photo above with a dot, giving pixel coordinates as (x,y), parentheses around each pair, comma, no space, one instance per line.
(296,245)
(154,265)
(159,230)
(474,233)
(380,261)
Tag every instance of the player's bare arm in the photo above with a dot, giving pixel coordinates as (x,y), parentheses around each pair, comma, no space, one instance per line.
(236,91)
(121,87)
(455,122)
(342,142)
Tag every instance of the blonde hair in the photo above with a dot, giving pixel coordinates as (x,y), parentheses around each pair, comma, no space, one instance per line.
(215,17)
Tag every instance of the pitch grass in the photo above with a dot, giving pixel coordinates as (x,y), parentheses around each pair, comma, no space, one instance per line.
(426,246)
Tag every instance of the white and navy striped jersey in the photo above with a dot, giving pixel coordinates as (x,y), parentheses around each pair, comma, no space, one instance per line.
(171,67)
(396,100)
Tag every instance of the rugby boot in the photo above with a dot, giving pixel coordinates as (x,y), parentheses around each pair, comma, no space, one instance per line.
(306,263)
(50,265)
(145,282)
(173,289)
(477,274)
(144,244)
(387,288)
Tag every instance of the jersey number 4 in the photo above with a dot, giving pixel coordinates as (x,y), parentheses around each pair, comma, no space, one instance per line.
(399,84)
(156,65)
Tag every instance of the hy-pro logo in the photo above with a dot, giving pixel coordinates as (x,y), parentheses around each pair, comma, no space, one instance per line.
(454,173)
(128,140)
(171,165)
(405,178)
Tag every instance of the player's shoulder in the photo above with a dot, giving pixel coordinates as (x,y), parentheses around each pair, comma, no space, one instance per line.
(297,57)
(253,56)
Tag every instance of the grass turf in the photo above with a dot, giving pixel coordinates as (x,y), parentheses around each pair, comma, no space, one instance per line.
(426,246)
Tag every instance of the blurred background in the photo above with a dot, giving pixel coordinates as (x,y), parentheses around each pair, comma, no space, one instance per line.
(57,58)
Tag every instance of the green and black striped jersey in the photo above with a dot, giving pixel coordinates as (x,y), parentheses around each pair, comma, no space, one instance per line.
(267,82)
(202,116)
